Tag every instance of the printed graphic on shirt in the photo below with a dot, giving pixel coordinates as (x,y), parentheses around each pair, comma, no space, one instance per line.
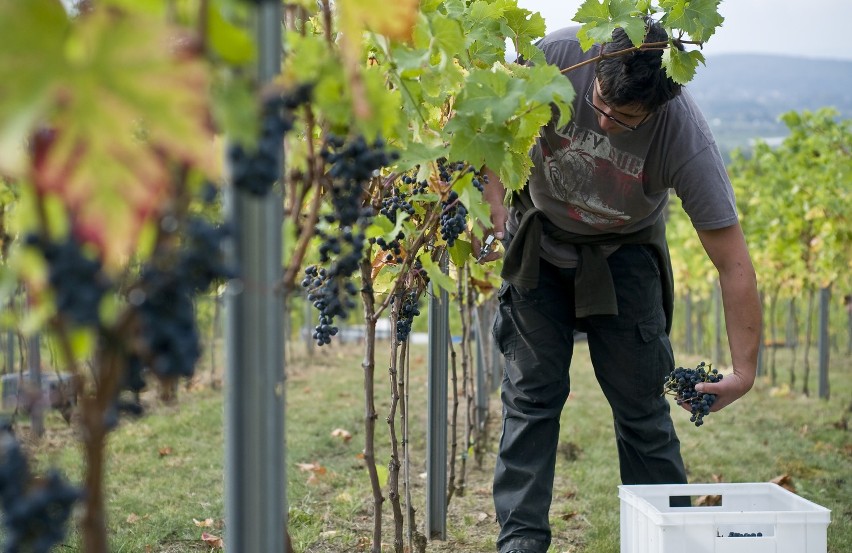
(597,181)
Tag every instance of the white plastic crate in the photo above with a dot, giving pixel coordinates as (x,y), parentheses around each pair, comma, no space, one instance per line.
(787,523)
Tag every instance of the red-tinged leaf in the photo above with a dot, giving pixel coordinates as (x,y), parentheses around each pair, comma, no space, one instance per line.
(212,540)
(123,114)
(165,451)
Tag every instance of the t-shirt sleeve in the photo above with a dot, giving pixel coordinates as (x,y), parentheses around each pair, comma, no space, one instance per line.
(703,186)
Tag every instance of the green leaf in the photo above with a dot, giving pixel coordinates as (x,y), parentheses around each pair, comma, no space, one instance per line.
(491,94)
(600,20)
(525,24)
(697,18)
(383,474)
(448,36)
(471,143)
(546,84)
(471,197)
(229,42)
(32,68)
(436,275)
(460,252)
(418,153)
(681,66)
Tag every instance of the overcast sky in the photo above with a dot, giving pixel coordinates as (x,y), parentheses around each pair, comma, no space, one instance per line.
(754,26)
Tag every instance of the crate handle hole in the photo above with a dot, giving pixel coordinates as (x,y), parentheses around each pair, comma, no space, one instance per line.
(695,501)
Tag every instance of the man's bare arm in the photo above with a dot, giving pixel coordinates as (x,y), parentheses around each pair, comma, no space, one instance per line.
(727,249)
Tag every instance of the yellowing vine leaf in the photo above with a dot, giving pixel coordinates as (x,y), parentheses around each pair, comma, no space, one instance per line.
(394,20)
(124,100)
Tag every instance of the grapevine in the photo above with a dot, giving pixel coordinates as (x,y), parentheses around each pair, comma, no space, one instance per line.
(681,383)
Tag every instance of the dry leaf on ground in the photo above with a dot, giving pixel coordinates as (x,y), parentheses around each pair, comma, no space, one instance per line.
(785,481)
(206,523)
(344,435)
(212,541)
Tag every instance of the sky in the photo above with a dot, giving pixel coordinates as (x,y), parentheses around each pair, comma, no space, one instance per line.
(754,26)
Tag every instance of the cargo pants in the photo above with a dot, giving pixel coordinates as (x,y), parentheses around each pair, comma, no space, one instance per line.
(631,354)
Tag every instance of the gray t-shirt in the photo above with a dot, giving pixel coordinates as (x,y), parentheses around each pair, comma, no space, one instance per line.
(587,182)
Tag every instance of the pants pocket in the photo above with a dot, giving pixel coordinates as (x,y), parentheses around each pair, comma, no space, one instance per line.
(504,332)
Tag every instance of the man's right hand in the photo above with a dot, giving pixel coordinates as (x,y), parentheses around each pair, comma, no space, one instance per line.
(493,194)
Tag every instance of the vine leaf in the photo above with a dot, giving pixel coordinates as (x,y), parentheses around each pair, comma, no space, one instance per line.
(125,115)
(601,19)
(395,20)
(697,18)
(436,275)
(681,66)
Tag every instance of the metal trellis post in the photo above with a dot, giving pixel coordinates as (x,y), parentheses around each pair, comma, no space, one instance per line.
(255,470)
(34,366)
(483,369)
(823,341)
(436,413)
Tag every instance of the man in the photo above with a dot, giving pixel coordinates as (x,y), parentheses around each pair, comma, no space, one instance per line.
(586,251)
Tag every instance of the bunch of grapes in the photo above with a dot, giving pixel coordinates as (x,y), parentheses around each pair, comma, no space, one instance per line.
(446,170)
(164,301)
(171,344)
(407,311)
(681,383)
(201,261)
(330,290)
(77,279)
(255,171)
(391,206)
(393,247)
(325,295)
(36,510)
(420,187)
(453,218)
(395,203)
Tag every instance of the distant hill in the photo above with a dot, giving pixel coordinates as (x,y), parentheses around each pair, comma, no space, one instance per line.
(742,95)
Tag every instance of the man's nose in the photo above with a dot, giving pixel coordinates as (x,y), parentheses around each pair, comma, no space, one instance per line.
(606,124)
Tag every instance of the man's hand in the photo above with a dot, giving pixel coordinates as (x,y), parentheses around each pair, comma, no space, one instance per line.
(731,388)
(486,250)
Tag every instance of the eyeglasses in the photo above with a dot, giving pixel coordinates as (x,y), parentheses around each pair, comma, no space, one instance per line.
(615,120)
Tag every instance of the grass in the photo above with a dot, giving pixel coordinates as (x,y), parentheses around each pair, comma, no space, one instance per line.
(166,472)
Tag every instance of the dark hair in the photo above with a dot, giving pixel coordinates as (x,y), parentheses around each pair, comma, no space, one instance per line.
(637,78)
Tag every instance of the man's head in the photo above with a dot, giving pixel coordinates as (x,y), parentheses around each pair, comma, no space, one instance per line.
(636,82)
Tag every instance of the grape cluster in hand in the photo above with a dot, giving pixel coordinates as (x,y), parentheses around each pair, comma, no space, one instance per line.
(681,383)
(35,510)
